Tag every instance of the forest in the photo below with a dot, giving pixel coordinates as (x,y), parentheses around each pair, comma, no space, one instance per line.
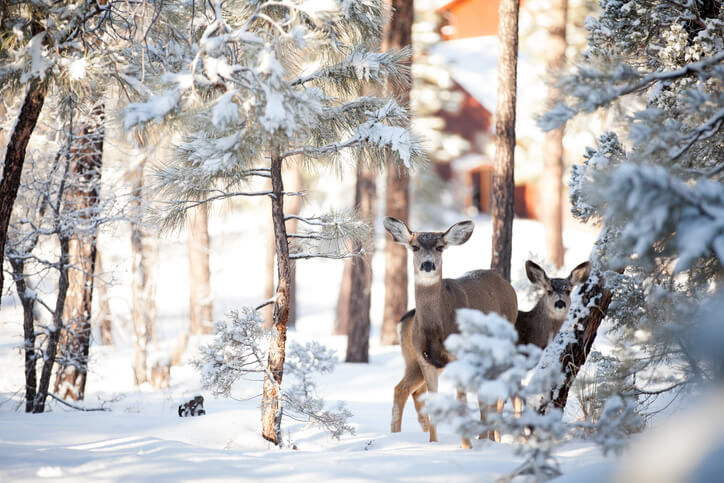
(223,226)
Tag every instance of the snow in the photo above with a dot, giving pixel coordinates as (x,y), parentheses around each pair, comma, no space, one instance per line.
(141,437)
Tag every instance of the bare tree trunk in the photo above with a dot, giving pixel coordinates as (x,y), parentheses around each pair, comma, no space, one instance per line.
(270,259)
(503,179)
(201,310)
(103,317)
(54,331)
(271,407)
(398,34)
(341,321)
(574,355)
(28,303)
(15,157)
(552,181)
(143,287)
(358,330)
(293,183)
(86,156)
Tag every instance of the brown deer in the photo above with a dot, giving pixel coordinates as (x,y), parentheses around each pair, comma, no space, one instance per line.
(424,330)
(542,323)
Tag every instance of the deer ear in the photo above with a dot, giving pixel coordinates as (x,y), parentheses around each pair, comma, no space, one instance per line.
(580,273)
(397,228)
(459,233)
(535,273)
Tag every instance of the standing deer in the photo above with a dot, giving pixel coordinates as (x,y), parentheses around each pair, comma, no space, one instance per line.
(542,323)
(424,330)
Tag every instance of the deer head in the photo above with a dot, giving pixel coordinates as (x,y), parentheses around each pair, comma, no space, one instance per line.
(427,246)
(557,297)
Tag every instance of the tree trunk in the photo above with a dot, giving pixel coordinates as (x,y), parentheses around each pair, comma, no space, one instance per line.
(28,303)
(293,206)
(575,353)
(552,180)
(503,180)
(341,320)
(360,288)
(271,399)
(103,317)
(143,285)
(54,331)
(398,34)
(201,311)
(269,283)
(15,157)
(86,156)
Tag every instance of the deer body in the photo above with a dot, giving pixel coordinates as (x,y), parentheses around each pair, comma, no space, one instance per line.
(424,329)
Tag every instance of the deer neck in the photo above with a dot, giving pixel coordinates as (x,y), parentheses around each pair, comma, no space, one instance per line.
(431,301)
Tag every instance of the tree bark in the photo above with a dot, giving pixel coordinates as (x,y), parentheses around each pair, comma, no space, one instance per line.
(503,175)
(360,288)
(103,317)
(28,303)
(271,399)
(341,320)
(552,180)
(398,34)
(576,353)
(82,200)
(15,158)
(293,183)
(143,285)
(54,332)
(201,311)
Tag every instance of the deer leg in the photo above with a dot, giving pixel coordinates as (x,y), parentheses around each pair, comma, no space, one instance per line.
(430,373)
(465,443)
(493,435)
(418,405)
(517,406)
(411,381)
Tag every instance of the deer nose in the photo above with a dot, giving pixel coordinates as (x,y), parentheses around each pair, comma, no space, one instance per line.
(427,267)
(560,304)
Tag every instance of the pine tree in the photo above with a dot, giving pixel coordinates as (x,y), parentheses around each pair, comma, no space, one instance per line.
(248,105)
(657,188)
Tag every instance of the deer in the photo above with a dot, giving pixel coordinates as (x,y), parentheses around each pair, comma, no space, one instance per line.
(544,321)
(424,329)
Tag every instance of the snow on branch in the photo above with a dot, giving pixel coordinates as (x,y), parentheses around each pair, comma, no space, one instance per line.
(592,88)
(662,214)
(239,351)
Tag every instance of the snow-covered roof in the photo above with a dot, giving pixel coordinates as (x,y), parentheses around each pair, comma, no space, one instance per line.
(473,62)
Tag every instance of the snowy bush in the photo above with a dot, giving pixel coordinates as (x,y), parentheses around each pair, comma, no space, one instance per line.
(239,351)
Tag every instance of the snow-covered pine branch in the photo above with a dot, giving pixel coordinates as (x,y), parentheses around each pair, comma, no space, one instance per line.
(239,352)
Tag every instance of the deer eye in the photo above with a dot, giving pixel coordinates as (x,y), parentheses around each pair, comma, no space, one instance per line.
(568,292)
(440,248)
(415,248)
(425,355)
(550,292)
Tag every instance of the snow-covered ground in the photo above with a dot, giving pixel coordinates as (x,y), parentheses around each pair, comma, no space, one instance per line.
(141,437)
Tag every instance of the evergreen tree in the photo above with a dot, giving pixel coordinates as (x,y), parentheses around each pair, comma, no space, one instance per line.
(659,192)
(268,83)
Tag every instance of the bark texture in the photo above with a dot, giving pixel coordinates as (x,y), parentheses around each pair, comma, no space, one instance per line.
(552,180)
(103,318)
(503,176)
(398,34)
(82,200)
(271,406)
(576,353)
(28,303)
(15,158)
(360,282)
(201,311)
(54,331)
